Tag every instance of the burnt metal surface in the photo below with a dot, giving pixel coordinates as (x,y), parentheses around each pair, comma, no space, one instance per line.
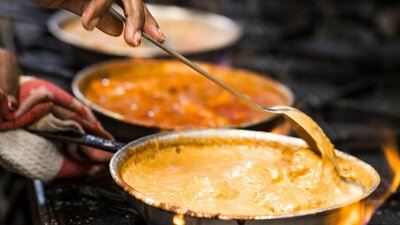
(87,200)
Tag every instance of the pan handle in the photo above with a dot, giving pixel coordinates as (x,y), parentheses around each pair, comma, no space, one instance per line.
(83,139)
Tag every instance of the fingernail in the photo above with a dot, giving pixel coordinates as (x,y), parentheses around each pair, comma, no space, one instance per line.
(12,103)
(161,33)
(93,23)
(137,39)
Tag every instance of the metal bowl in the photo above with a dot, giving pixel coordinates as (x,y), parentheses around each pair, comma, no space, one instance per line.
(210,33)
(161,213)
(125,130)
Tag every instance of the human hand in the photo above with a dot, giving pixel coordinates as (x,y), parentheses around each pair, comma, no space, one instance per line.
(95,13)
(9,78)
(45,107)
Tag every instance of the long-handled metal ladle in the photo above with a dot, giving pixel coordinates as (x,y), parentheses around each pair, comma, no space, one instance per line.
(304,126)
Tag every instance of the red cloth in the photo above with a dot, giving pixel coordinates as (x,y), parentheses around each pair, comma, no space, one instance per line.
(38,98)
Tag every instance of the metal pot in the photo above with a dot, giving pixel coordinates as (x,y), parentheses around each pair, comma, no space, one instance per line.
(214,35)
(124,130)
(160,213)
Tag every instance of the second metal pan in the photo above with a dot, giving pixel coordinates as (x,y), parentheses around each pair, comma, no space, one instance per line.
(126,130)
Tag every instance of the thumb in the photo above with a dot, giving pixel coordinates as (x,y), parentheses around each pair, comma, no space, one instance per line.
(12,103)
(9,77)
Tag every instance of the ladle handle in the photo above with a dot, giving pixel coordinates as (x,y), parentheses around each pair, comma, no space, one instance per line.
(83,139)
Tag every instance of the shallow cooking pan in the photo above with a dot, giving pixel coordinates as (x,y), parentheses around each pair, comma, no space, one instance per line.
(161,213)
(210,35)
(176,84)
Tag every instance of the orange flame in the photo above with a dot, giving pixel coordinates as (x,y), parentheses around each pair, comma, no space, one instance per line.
(361,213)
(178,219)
(393,157)
(353,215)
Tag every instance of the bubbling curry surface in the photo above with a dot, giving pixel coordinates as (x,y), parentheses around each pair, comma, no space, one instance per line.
(169,95)
(237,179)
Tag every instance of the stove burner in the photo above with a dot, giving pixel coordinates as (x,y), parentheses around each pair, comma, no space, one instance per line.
(90,200)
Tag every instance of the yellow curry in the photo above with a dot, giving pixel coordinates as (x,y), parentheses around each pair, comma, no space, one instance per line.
(170,95)
(238,179)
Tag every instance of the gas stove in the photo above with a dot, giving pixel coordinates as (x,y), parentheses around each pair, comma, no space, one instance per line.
(341,59)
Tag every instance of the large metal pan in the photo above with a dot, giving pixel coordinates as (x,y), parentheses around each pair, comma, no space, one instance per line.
(210,34)
(124,130)
(161,213)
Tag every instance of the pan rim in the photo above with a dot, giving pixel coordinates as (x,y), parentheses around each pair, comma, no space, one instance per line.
(122,154)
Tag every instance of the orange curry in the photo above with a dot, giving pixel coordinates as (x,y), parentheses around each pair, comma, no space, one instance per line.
(169,95)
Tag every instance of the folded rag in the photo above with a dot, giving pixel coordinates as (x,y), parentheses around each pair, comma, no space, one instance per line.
(45,107)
